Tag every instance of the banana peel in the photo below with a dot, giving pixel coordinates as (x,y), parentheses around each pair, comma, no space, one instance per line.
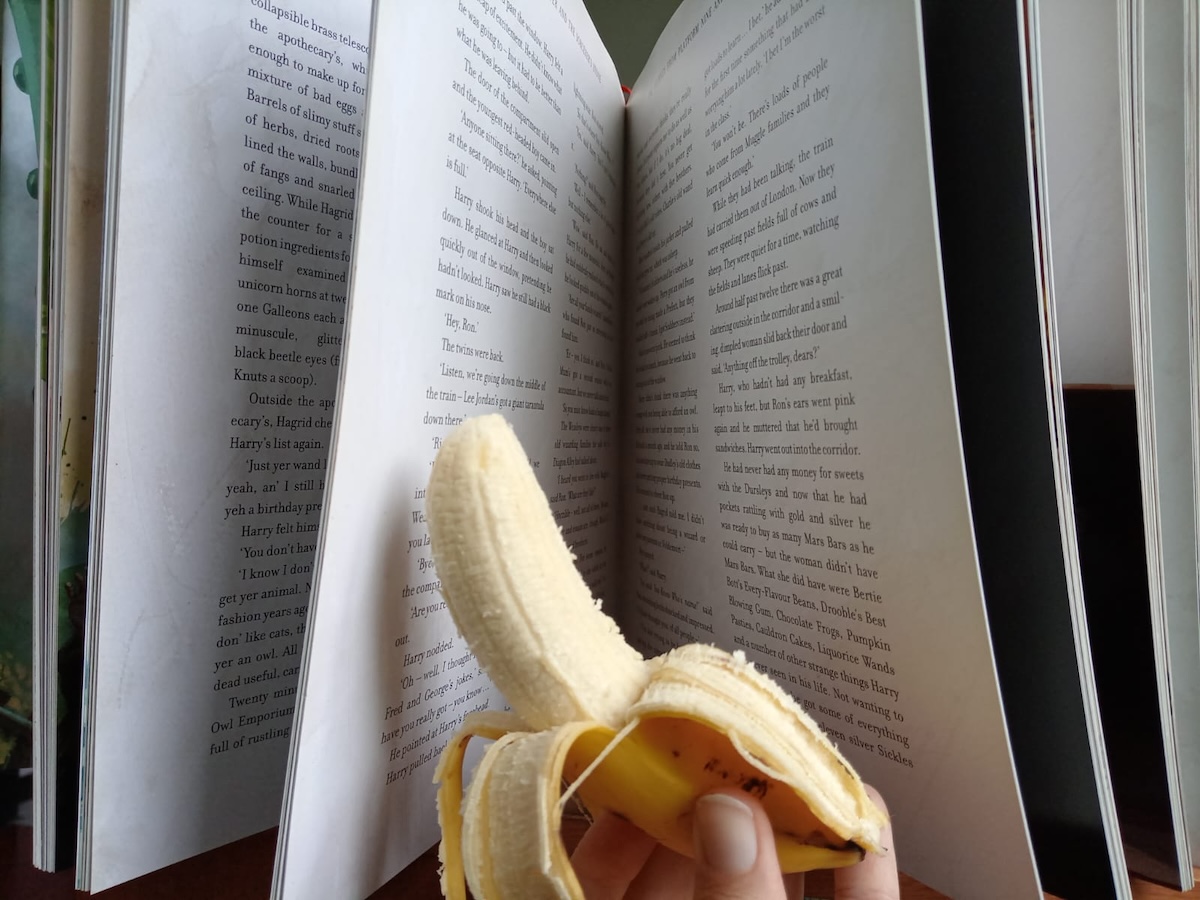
(642,738)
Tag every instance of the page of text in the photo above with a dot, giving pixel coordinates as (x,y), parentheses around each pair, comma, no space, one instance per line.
(240,127)
(484,280)
(798,489)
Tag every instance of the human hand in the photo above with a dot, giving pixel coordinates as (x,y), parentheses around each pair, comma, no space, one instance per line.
(735,860)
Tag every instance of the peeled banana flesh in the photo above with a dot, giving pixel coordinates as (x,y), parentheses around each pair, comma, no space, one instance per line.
(643,738)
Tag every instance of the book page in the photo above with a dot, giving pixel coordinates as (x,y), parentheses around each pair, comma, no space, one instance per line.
(232,183)
(798,491)
(1103,342)
(1081,122)
(1161,328)
(485,279)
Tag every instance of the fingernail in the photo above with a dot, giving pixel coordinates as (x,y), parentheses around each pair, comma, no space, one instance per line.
(725,834)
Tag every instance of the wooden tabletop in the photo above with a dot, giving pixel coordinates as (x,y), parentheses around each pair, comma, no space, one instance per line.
(242,871)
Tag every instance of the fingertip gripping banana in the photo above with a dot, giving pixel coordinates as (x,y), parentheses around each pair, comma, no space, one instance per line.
(642,738)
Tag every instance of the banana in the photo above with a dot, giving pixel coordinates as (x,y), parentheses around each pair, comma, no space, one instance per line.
(643,738)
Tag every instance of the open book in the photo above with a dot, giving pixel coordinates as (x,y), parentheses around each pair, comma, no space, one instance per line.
(750,326)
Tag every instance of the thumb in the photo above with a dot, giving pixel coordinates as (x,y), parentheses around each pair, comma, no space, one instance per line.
(735,850)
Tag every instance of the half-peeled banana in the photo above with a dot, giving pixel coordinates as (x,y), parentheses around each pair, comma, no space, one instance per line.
(642,738)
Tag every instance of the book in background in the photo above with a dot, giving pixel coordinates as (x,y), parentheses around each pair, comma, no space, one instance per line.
(1155,150)
(1109,112)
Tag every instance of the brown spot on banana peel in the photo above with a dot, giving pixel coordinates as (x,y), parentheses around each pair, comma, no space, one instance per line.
(756,786)
(817,839)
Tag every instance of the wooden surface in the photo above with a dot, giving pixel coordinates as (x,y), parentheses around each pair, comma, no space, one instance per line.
(242,871)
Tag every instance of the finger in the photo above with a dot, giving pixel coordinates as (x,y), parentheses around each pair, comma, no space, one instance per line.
(875,878)
(735,850)
(793,886)
(609,856)
(667,875)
